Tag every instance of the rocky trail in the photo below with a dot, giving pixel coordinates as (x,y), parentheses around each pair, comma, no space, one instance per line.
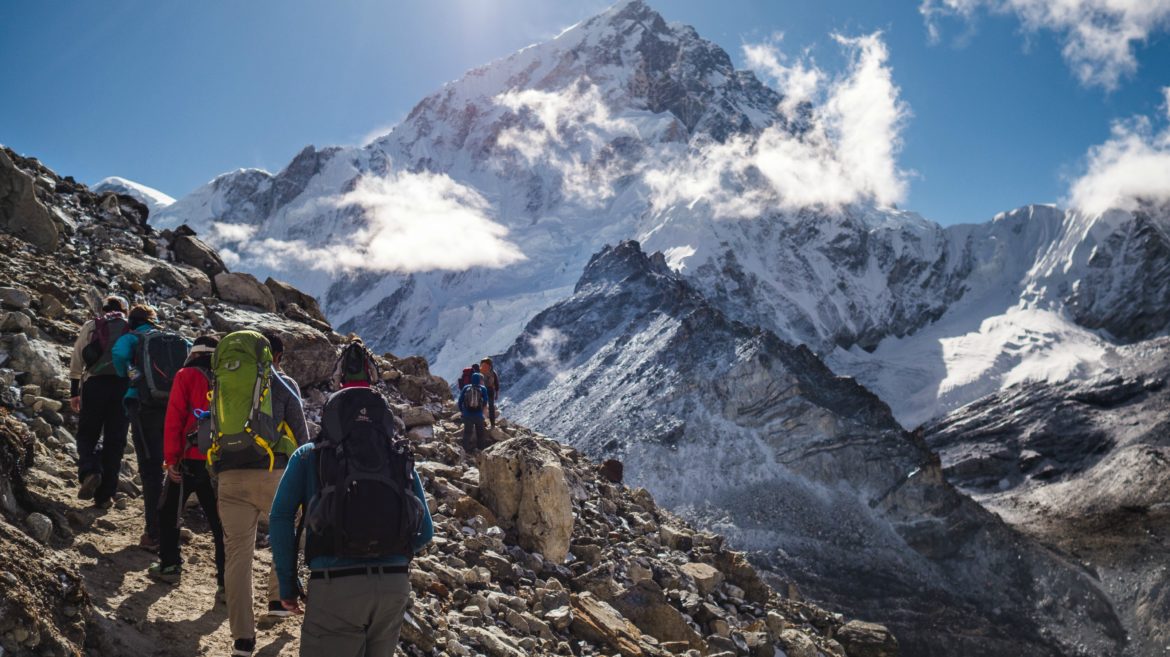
(538,550)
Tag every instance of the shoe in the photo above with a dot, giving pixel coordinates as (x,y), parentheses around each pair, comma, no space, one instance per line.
(277,610)
(147,543)
(243,647)
(220,595)
(89,486)
(165,574)
(104,505)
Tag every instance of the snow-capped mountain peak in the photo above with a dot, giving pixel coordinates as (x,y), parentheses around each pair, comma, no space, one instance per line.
(155,200)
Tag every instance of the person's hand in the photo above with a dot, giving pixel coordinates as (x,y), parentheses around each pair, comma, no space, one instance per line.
(75,404)
(293,606)
(174,474)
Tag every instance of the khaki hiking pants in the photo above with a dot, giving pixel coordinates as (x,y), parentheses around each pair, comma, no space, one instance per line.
(244,497)
(355,616)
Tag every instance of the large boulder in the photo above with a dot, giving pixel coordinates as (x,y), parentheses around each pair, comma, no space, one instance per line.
(245,289)
(21,214)
(647,607)
(191,250)
(309,356)
(597,622)
(861,639)
(523,482)
(38,358)
(287,295)
(183,279)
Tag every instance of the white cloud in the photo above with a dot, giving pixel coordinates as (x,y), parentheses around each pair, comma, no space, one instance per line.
(843,151)
(1130,169)
(798,82)
(545,344)
(567,131)
(1099,35)
(412,222)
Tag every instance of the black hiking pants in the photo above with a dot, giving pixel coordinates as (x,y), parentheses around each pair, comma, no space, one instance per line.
(474,434)
(197,480)
(102,420)
(147,423)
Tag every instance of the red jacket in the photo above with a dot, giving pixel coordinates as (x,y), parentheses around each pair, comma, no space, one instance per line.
(188,392)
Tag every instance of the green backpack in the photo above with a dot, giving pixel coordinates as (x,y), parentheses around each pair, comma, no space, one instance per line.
(244,433)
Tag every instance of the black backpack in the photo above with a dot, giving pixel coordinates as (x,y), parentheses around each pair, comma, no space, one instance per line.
(355,365)
(365,506)
(159,358)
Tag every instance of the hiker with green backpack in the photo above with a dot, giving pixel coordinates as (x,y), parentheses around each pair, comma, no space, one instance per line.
(247,451)
(96,391)
(186,466)
(150,358)
(359,539)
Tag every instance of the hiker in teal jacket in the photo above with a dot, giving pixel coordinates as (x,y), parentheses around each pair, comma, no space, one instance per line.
(376,598)
(147,423)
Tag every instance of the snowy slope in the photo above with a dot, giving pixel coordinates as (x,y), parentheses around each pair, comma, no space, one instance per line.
(742,431)
(155,200)
(554,152)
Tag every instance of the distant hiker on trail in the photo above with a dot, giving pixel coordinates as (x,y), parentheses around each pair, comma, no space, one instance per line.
(248,453)
(150,358)
(95,392)
(287,404)
(491,380)
(186,466)
(359,538)
(355,367)
(474,398)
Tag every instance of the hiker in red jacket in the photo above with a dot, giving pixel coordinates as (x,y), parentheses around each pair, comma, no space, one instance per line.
(186,466)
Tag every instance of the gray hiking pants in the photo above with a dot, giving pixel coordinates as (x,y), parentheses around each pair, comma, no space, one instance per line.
(355,616)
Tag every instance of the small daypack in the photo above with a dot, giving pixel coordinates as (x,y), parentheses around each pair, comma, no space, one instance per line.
(355,364)
(472,397)
(159,357)
(365,506)
(97,354)
(243,429)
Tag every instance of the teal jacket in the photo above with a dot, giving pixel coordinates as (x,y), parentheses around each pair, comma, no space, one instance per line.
(123,353)
(298,485)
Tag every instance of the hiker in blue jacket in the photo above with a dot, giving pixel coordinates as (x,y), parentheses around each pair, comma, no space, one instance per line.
(147,422)
(354,606)
(474,399)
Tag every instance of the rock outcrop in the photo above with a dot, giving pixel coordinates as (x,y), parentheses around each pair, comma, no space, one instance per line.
(21,214)
(525,486)
(244,289)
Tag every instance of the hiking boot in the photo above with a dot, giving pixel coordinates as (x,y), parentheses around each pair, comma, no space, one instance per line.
(89,485)
(243,647)
(147,543)
(220,595)
(165,574)
(103,505)
(277,610)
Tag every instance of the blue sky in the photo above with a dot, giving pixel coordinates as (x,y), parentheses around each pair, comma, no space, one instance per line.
(173,93)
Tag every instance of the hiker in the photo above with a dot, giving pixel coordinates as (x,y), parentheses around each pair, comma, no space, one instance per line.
(491,381)
(288,407)
(359,588)
(95,393)
(355,367)
(465,377)
(150,358)
(186,466)
(473,399)
(248,454)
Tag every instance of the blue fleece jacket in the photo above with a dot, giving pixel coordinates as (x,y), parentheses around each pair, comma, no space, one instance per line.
(298,485)
(484,394)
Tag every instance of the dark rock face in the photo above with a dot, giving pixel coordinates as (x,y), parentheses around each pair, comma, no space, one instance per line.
(1084,468)
(807,470)
(191,250)
(21,214)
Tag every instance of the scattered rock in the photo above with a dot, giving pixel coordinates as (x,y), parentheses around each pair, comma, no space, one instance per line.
(862,639)
(611,470)
(191,250)
(40,527)
(706,577)
(286,295)
(16,298)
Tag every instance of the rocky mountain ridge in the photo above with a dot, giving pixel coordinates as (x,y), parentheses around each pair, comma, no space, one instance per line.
(595,568)
(744,433)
